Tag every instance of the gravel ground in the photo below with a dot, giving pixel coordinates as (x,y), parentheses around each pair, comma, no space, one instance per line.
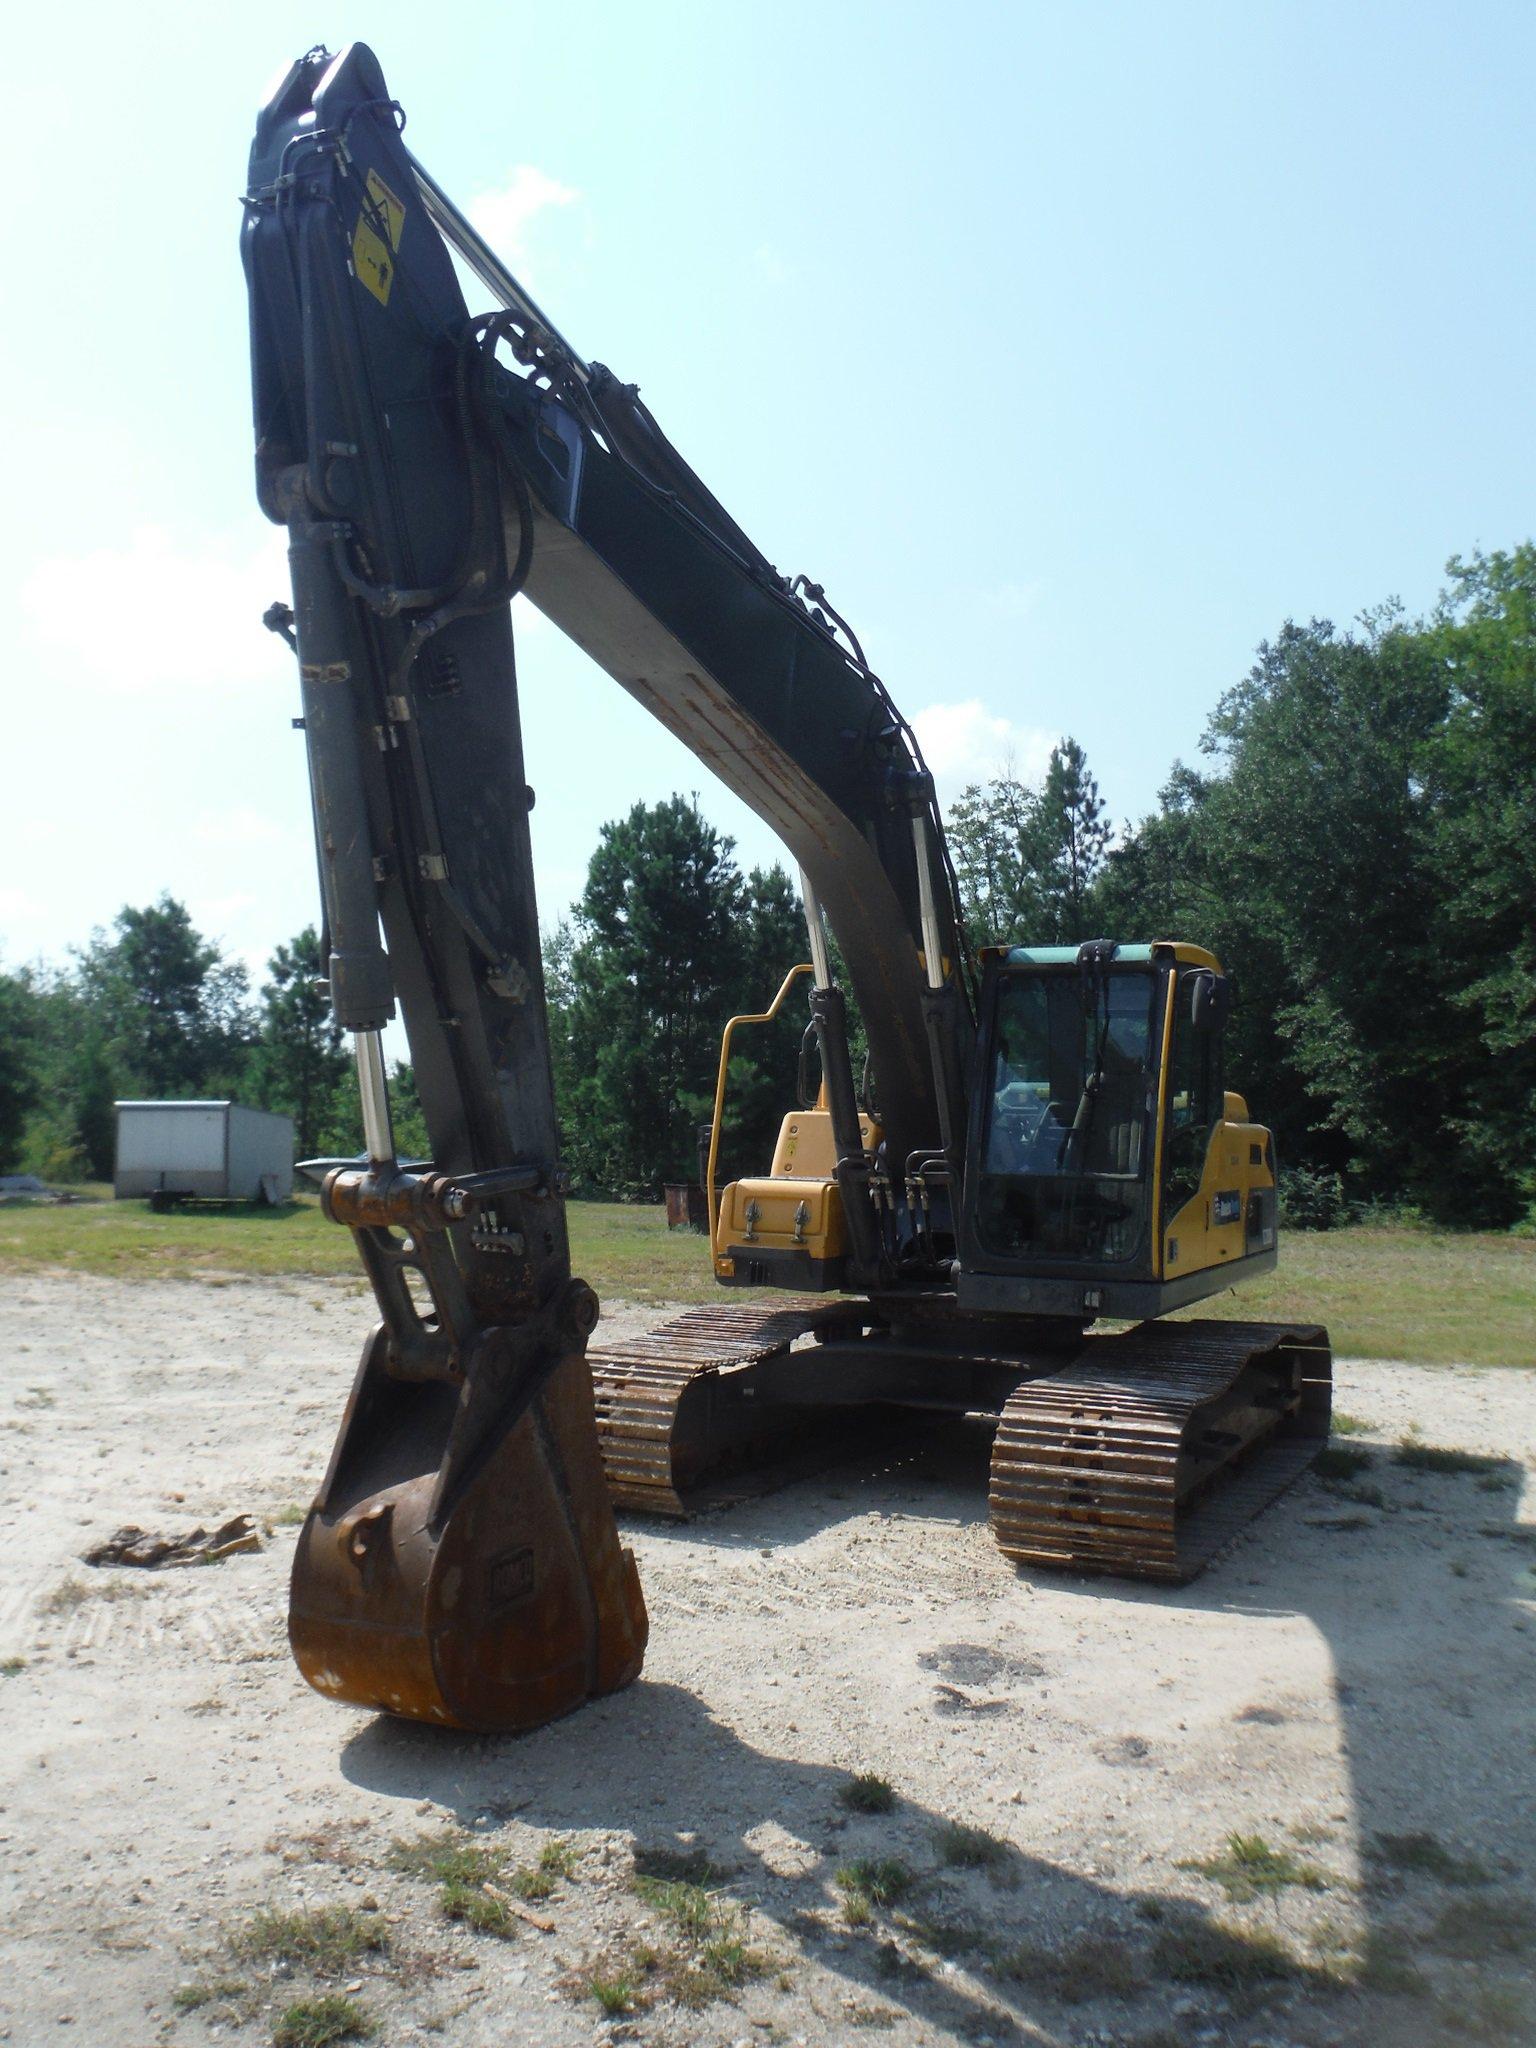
(1352,1684)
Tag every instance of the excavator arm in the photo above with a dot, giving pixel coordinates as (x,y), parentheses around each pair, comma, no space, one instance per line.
(461,1561)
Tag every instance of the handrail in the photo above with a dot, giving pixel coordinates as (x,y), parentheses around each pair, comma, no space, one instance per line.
(757,1017)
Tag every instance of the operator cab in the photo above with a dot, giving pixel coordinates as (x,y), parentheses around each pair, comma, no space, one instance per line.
(1110,1173)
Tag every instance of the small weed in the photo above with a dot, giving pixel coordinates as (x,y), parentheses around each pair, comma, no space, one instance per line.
(558,1858)
(37,1397)
(616,1995)
(529,1882)
(330,1940)
(1249,1869)
(1427,1856)
(944,1937)
(317,2022)
(868,1793)
(288,1517)
(688,1906)
(207,1991)
(1233,1959)
(968,1848)
(726,1957)
(72,1593)
(476,1909)
(448,1857)
(857,1911)
(13,1667)
(1498,1482)
(1341,1461)
(1421,1457)
(686,1866)
(1350,1425)
(882,1880)
(1473,1929)
(1093,1966)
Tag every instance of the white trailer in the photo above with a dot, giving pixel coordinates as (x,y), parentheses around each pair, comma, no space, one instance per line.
(202,1151)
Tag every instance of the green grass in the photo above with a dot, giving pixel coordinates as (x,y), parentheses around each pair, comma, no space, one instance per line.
(1248,1868)
(447,1857)
(868,1793)
(1438,1298)
(967,1848)
(329,1940)
(317,2022)
(880,1880)
(1421,1457)
(1341,1461)
(208,1991)
(476,1909)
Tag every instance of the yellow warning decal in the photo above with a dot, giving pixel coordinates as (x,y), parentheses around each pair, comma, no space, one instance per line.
(373,252)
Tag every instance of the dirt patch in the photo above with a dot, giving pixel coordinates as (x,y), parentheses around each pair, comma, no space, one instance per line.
(1078,1768)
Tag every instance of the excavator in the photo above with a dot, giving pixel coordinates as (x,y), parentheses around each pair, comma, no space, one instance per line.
(1037,1162)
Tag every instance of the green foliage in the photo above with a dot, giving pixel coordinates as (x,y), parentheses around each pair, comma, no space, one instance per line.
(1027,859)
(1248,1868)
(668,940)
(298,1066)
(1312,1198)
(1363,855)
(18,1070)
(174,1012)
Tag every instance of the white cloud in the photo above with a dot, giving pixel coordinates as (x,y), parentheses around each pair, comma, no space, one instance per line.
(159,614)
(505,215)
(966,742)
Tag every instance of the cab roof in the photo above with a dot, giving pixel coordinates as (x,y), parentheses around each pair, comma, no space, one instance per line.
(1125,956)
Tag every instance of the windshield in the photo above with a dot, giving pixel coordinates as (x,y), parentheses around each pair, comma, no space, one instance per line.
(1069,1116)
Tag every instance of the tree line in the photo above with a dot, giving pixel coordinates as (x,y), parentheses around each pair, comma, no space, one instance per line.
(1358,846)
(667,940)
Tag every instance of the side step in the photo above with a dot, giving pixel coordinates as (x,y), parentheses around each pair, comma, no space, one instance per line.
(675,1403)
(1154,1449)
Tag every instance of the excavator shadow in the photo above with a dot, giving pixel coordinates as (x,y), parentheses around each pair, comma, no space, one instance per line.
(1385,1634)
(655,1764)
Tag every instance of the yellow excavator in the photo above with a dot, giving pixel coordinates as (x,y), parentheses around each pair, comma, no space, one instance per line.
(1040,1141)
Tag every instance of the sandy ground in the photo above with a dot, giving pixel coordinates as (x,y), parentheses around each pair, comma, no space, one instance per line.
(1349,1671)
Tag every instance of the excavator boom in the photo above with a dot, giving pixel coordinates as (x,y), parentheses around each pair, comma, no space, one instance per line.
(1045,1141)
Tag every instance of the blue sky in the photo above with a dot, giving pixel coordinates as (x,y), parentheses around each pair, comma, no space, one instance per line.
(1072,347)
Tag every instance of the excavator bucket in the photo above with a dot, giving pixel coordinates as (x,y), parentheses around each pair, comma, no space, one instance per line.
(471,1578)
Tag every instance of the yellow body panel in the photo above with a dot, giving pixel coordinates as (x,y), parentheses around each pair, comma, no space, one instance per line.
(799,1206)
(1209,1229)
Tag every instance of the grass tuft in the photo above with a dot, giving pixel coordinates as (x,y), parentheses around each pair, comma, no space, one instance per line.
(879,1879)
(476,1909)
(1345,1424)
(447,1857)
(329,1940)
(688,1906)
(1092,1966)
(1248,1868)
(317,2022)
(208,1991)
(1232,1959)
(963,1847)
(868,1793)
(1341,1461)
(1422,1457)
(13,1667)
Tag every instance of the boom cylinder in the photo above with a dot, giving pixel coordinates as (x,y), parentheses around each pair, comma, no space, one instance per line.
(362,995)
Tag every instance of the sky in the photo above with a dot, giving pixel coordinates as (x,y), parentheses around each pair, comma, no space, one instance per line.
(1074,349)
